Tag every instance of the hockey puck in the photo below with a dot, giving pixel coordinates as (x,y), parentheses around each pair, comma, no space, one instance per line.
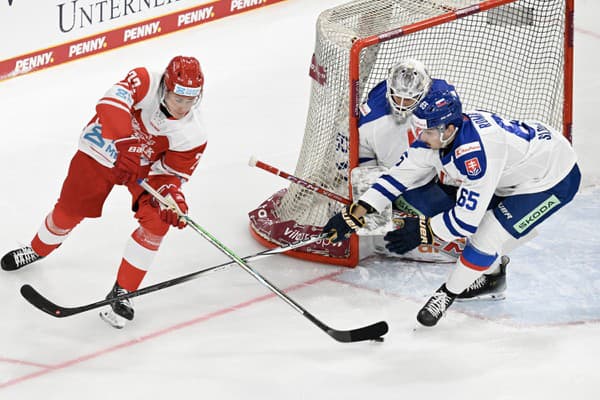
(379,339)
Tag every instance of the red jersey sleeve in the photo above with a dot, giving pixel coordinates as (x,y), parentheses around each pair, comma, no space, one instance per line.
(115,108)
(176,166)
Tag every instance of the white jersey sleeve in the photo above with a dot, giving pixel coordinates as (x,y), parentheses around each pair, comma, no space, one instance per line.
(478,167)
(416,167)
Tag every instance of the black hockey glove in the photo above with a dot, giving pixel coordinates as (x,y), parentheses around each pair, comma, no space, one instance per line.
(410,233)
(343,224)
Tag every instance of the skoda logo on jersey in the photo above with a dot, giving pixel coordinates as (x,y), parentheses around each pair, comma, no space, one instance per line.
(186,91)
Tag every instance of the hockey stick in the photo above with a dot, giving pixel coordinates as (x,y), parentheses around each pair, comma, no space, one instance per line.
(371,332)
(42,303)
(439,244)
(315,188)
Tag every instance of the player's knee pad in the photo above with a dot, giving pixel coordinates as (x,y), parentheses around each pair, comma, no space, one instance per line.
(60,222)
(149,219)
(147,239)
(490,237)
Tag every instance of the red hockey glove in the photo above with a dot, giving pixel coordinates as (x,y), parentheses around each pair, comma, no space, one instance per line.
(128,165)
(343,224)
(410,233)
(178,207)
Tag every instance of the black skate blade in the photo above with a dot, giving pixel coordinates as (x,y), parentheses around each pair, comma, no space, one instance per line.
(483,297)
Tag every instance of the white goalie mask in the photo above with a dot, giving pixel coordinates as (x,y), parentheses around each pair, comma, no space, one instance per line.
(407,83)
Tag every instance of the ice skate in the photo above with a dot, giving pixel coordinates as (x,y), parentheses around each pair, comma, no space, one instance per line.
(487,287)
(436,307)
(121,310)
(19,258)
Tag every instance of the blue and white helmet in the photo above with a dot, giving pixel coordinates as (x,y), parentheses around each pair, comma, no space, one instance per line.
(407,83)
(439,108)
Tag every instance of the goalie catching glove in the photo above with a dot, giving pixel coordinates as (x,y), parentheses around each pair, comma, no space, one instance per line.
(178,206)
(343,224)
(410,233)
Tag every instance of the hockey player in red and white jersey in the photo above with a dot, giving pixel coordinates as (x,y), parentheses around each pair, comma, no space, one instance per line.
(146,126)
(513,175)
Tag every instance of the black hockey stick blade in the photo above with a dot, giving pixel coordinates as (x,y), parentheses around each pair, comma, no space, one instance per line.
(371,332)
(42,303)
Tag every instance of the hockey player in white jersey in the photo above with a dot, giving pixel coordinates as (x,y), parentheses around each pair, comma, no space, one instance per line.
(146,126)
(386,132)
(513,175)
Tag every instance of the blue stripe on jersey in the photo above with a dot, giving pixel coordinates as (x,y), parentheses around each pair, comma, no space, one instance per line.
(363,160)
(419,144)
(477,258)
(448,223)
(378,104)
(520,129)
(463,225)
(384,191)
(396,184)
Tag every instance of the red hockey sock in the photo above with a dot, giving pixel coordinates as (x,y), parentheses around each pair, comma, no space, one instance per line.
(138,257)
(129,277)
(54,231)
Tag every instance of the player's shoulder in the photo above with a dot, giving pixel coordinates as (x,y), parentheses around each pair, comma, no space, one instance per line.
(153,79)
(141,82)
(481,120)
(376,105)
(468,151)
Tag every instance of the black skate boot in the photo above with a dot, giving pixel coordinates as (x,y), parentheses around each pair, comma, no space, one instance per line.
(436,307)
(19,258)
(121,310)
(490,287)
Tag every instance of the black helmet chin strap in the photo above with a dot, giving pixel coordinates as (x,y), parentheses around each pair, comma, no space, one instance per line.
(163,104)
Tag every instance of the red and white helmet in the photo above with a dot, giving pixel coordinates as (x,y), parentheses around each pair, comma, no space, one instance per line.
(183,76)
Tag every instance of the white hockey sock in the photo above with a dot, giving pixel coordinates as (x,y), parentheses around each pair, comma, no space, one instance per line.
(139,255)
(49,236)
(461,277)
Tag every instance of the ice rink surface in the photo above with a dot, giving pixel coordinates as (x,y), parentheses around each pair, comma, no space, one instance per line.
(224,336)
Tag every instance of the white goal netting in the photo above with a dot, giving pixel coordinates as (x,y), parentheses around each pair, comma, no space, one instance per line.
(509,59)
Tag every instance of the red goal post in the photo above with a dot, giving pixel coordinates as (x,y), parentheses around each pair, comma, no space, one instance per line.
(514,57)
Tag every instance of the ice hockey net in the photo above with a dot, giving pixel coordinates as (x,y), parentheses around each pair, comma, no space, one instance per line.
(510,56)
